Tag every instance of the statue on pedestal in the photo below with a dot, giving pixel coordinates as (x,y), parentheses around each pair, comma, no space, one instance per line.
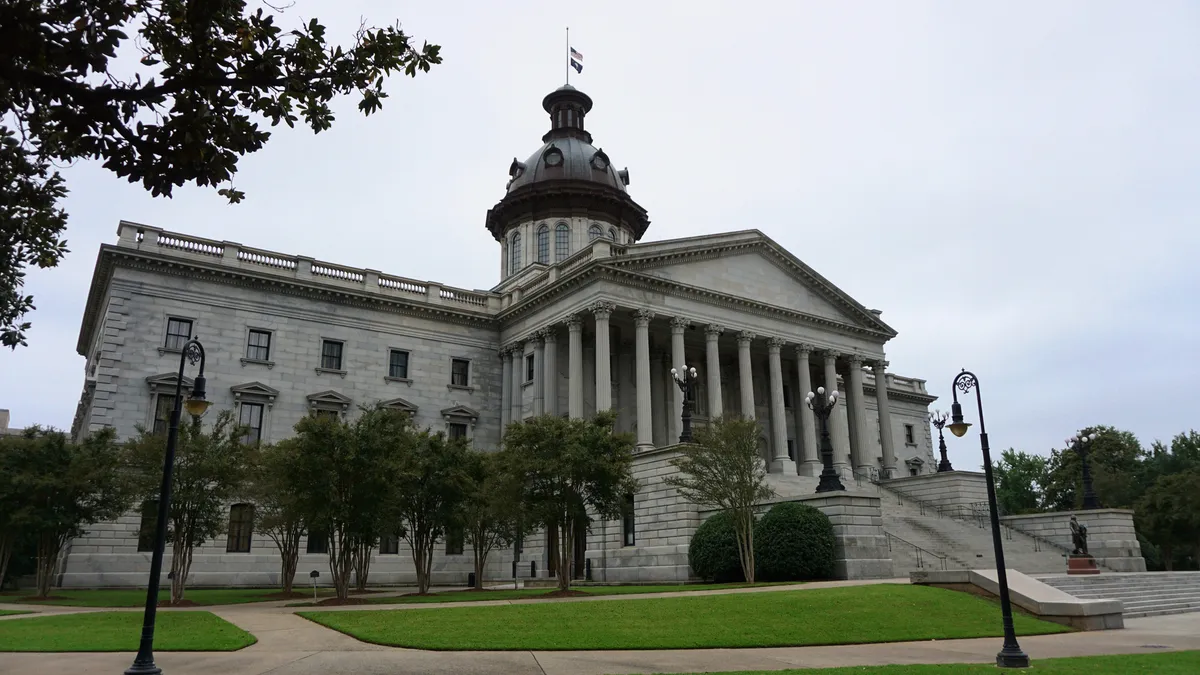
(1078,537)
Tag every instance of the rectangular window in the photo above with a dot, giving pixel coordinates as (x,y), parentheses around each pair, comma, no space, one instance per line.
(147,525)
(628,523)
(330,414)
(908,434)
(398,364)
(457,430)
(331,354)
(258,345)
(318,542)
(460,372)
(454,540)
(529,368)
(389,544)
(251,416)
(164,404)
(179,331)
(241,526)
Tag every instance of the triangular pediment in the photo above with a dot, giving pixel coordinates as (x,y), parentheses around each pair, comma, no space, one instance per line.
(329,399)
(253,389)
(460,411)
(399,404)
(164,380)
(749,266)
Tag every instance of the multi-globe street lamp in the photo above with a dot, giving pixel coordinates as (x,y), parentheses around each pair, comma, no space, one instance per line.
(938,419)
(1011,655)
(822,405)
(193,352)
(1082,444)
(686,379)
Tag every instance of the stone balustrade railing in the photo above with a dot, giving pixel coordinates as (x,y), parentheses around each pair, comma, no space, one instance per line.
(232,254)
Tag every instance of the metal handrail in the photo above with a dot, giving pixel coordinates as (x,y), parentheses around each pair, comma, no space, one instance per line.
(918,549)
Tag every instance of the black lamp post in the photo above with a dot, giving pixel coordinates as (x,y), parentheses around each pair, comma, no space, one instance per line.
(938,419)
(686,379)
(1082,444)
(1010,655)
(822,405)
(143,663)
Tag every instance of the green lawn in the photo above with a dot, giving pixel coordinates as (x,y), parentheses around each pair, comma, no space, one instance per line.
(1163,663)
(849,615)
(120,632)
(10,612)
(528,593)
(133,597)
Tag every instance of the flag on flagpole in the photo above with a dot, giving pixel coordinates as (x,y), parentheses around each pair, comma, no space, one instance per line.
(576,60)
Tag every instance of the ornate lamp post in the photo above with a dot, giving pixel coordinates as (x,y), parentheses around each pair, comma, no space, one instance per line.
(1082,444)
(686,379)
(938,419)
(193,351)
(822,405)
(1010,655)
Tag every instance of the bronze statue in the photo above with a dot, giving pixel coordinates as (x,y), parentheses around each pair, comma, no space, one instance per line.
(1078,537)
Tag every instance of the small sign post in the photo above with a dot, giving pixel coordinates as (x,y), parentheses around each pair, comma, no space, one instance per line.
(313,575)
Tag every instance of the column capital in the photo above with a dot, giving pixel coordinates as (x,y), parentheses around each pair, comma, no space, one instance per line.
(575,323)
(803,350)
(641,317)
(712,330)
(745,337)
(603,309)
(517,346)
(679,324)
(505,353)
(879,365)
(831,356)
(774,344)
(549,334)
(855,361)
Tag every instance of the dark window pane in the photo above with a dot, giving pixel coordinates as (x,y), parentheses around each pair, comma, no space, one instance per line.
(562,241)
(529,368)
(628,524)
(514,264)
(318,542)
(179,331)
(612,233)
(163,406)
(251,416)
(594,232)
(398,364)
(454,541)
(787,396)
(460,372)
(543,244)
(458,430)
(258,346)
(146,527)
(331,414)
(331,355)
(908,433)
(241,525)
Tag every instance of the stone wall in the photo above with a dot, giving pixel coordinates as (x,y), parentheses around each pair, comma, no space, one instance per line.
(953,491)
(1112,539)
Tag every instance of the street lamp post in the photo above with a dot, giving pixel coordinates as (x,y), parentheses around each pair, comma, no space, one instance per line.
(1010,655)
(822,405)
(193,352)
(686,379)
(938,419)
(1082,444)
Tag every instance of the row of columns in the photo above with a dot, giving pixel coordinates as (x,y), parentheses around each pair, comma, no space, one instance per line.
(545,398)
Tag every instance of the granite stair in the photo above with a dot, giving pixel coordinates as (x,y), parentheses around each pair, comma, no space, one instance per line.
(1141,593)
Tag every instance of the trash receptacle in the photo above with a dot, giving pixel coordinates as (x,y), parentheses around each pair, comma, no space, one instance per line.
(471,580)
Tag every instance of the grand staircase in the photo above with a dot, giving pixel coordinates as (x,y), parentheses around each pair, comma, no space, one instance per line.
(1141,593)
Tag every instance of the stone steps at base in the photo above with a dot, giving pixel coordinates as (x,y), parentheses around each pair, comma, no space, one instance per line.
(1141,594)
(1183,594)
(1159,612)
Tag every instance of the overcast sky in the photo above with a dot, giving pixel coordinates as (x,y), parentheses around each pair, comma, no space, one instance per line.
(1013,183)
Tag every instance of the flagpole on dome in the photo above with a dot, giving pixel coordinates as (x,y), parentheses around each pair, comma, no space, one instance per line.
(567,65)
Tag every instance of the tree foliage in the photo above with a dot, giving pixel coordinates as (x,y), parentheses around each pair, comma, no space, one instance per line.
(713,552)
(207,75)
(1114,458)
(1169,515)
(1019,480)
(722,469)
(277,506)
(793,542)
(211,470)
(491,514)
(571,471)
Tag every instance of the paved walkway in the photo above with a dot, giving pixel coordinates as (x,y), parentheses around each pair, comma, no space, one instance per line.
(290,645)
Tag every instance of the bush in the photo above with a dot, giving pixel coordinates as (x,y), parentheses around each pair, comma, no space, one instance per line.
(793,542)
(713,553)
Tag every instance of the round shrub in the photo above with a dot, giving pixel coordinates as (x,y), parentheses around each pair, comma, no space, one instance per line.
(713,553)
(793,542)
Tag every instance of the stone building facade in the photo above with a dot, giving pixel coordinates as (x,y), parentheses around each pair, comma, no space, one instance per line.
(586,317)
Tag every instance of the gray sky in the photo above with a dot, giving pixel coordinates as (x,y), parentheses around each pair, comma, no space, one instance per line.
(1012,183)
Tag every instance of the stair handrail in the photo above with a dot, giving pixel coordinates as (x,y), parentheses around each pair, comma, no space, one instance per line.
(919,549)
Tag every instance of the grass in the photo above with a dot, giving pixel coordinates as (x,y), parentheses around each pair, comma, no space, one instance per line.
(533,593)
(1165,663)
(120,631)
(134,597)
(11,612)
(849,615)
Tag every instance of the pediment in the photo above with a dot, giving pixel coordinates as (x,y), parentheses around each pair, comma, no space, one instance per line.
(165,380)
(460,411)
(254,389)
(399,404)
(328,399)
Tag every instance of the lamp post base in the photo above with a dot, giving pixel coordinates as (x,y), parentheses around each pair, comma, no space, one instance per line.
(1014,658)
(830,483)
(147,668)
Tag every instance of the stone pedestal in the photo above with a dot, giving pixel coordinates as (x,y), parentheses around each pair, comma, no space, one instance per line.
(860,550)
(1112,540)
(956,493)
(1082,564)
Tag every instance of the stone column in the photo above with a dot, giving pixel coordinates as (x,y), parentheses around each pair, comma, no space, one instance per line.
(837,428)
(550,370)
(860,443)
(645,424)
(505,389)
(711,333)
(539,383)
(518,380)
(778,414)
(678,360)
(885,420)
(659,399)
(602,310)
(747,378)
(809,457)
(575,366)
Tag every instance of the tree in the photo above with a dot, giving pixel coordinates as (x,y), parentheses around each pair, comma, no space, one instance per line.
(572,471)
(428,493)
(278,512)
(14,507)
(1169,515)
(722,469)
(1114,458)
(490,513)
(211,469)
(208,74)
(63,487)
(1019,479)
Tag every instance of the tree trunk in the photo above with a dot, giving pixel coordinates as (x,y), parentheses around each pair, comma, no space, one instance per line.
(49,546)
(181,566)
(287,541)
(744,530)
(480,563)
(362,564)
(428,567)
(341,554)
(566,553)
(1167,557)
(7,541)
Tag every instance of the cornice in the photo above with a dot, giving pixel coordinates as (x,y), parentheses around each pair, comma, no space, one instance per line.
(901,395)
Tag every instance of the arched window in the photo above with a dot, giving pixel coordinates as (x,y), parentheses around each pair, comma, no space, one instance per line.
(543,244)
(594,232)
(514,251)
(562,241)
(612,233)
(241,525)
